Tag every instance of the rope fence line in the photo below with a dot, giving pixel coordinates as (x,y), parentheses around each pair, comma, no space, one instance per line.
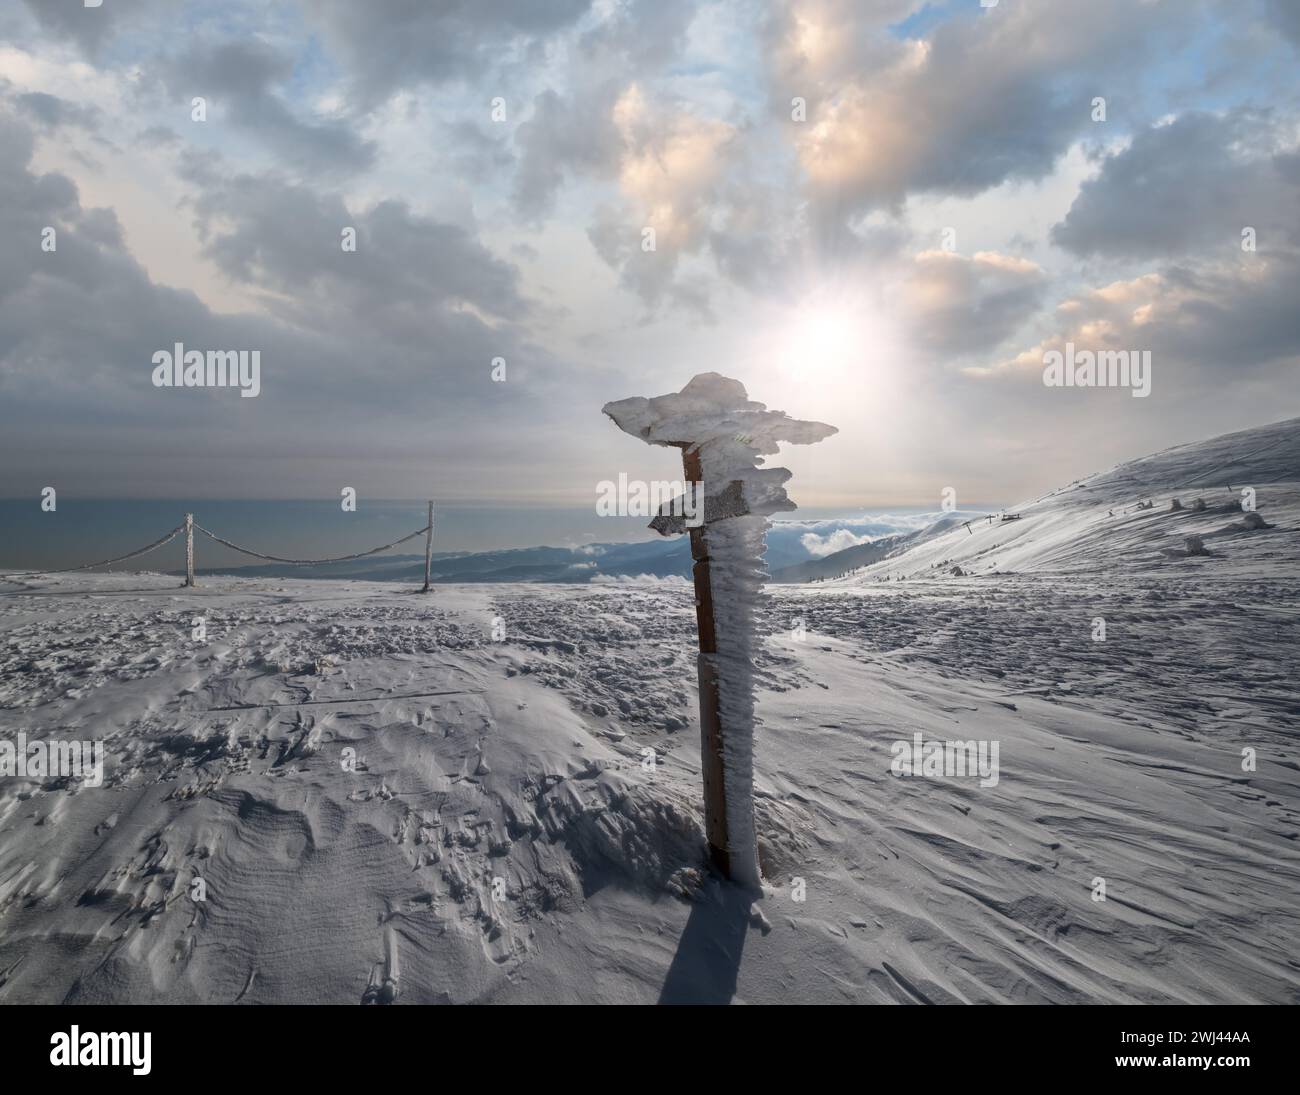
(189,525)
(307,562)
(167,538)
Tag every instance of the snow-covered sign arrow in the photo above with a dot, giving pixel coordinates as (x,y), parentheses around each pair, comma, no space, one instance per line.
(724,436)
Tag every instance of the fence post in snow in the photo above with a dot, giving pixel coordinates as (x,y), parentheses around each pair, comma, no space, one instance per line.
(723,437)
(189,549)
(428,551)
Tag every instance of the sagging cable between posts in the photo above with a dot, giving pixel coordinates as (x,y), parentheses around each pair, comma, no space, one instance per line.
(189,526)
(307,562)
(166,538)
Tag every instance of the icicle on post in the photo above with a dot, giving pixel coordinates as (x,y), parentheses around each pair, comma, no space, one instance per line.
(723,436)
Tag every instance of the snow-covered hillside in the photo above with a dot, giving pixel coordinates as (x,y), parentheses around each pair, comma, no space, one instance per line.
(1128,518)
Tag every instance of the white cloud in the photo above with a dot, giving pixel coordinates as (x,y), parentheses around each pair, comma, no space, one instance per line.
(832,542)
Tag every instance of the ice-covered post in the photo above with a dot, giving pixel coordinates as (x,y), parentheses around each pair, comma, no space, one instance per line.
(428,551)
(189,549)
(723,437)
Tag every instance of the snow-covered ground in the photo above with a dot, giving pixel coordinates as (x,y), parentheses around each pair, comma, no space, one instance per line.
(505,837)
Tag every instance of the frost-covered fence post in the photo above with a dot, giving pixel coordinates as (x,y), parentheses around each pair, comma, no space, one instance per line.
(428,551)
(189,549)
(723,437)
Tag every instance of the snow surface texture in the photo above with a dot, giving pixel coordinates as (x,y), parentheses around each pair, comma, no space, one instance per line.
(522,761)
(714,416)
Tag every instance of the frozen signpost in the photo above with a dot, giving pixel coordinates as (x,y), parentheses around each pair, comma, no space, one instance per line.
(723,437)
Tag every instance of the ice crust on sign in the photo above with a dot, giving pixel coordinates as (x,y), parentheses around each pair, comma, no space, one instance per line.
(732,433)
(714,415)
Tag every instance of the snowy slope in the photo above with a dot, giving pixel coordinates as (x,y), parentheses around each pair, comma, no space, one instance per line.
(1099,524)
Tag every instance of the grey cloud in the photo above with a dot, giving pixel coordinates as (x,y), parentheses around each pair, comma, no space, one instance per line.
(1193,183)
(988,97)
(961,306)
(478,155)
(89,28)
(1234,318)
(1286,16)
(749,248)
(72,317)
(568,135)
(671,167)
(562,137)
(241,76)
(52,111)
(692,295)
(158,136)
(367,369)
(642,34)
(388,44)
(235,67)
(1207,325)
(407,276)
(617,239)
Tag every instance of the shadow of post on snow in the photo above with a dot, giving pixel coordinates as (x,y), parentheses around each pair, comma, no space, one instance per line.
(705,967)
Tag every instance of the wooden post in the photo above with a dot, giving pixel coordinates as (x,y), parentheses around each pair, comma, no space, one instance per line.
(715,797)
(428,551)
(189,550)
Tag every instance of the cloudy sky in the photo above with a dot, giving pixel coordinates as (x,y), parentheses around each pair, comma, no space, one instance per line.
(877,213)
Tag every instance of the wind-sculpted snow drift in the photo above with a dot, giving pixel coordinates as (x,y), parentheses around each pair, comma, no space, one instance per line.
(385,804)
